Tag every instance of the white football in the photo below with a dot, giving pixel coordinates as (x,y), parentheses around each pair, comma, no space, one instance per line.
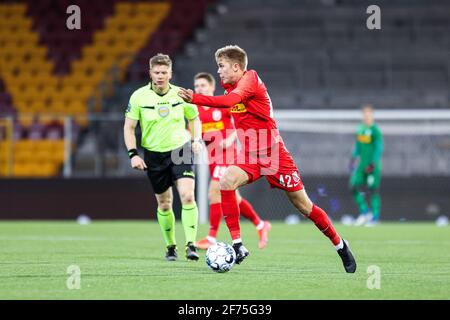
(220,257)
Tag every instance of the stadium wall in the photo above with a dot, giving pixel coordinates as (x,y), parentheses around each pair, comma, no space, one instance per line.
(70,198)
(414,198)
(403,198)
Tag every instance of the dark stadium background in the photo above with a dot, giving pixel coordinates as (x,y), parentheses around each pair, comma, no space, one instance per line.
(59,85)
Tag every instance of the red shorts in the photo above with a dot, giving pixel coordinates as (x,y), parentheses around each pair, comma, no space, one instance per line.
(220,161)
(216,171)
(276,165)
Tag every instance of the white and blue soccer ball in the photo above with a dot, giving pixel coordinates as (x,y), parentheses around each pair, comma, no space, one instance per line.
(220,257)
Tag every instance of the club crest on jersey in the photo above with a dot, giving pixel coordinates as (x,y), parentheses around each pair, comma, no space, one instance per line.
(163,111)
(238,108)
(217,115)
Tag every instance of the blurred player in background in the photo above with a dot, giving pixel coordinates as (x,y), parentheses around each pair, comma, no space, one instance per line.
(251,107)
(365,165)
(218,132)
(161,114)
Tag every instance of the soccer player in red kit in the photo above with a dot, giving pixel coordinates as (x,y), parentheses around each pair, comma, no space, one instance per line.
(219,135)
(263,152)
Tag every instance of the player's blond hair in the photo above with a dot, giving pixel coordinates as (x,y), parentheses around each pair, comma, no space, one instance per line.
(207,76)
(160,60)
(235,54)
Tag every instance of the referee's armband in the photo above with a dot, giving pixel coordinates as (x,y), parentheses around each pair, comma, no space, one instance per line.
(132,153)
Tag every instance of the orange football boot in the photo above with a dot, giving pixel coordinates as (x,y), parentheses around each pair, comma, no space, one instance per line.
(263,235)
(203,244)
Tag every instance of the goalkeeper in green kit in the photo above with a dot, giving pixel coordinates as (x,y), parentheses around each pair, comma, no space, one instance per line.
(365,167)
(167,157)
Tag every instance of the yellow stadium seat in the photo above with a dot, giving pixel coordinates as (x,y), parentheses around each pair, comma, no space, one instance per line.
(42,155)
(23,155)
(25,105)
(58,155)
(45,145)
(42,169)
(21,169)
(46,80)
(57,144)
(4,170)
(4,146)
(78,107)
(23,144)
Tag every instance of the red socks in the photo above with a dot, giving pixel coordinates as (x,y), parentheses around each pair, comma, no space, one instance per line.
(231,213)
(215,215)
(321,220)
(249,212)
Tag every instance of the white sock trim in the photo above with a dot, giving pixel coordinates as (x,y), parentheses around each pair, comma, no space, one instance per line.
(340,245)
(237,240)
(211,239)
(260,225)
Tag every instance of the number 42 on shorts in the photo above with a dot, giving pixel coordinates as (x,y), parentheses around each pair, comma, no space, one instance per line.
(290,180)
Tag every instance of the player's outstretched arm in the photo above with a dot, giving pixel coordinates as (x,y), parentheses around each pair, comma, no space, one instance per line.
(226,101)
(130,141)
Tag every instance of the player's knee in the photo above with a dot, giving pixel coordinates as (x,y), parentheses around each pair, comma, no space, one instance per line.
(165,205)
(227,182)
(187,197)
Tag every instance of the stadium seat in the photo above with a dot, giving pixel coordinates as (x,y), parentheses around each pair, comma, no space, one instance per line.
(47,70)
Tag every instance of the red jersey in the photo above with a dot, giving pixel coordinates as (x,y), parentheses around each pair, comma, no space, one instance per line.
(253,115)
(215,120)
(252,112)
(217,126)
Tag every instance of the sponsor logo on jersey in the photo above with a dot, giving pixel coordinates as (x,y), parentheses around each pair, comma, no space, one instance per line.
(239,108)
(163,111)
(217,115)
(212,126)
(128,108)
(364,138)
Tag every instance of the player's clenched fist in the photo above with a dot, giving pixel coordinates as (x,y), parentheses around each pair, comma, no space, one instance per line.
(137,163)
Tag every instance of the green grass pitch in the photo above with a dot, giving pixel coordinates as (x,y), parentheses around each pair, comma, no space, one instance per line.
(125,260)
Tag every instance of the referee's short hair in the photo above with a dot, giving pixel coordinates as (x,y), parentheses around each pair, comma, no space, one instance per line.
(160,60)
(207,76)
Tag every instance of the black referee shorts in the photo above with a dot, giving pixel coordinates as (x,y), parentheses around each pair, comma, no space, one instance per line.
(164,168)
